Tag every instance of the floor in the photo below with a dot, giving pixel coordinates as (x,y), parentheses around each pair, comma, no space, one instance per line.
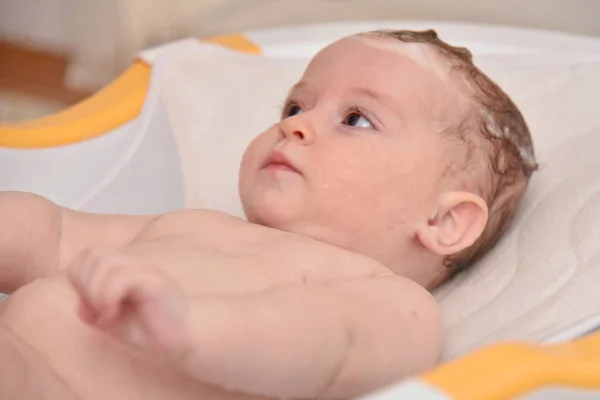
(32,83)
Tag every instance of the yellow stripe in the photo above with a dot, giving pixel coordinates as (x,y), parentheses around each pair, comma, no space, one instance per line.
(509,370)
(113,106)
(237,42)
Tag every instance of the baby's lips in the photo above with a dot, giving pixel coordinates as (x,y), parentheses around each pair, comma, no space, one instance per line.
(277,157)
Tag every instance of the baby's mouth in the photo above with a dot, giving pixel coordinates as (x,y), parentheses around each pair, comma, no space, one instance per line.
(278,161)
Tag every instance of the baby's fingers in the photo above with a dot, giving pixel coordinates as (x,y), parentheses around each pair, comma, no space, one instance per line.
(152,311)
(116,295)
(128,299)
(102,279)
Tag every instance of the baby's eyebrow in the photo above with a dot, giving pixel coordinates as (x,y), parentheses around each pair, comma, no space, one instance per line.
(298,86)
(382,98)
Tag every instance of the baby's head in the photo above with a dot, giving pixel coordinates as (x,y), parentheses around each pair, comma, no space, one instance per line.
(399,148)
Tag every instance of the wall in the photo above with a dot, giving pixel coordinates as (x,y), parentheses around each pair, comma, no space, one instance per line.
(577,16)
(102,36)
(37,23)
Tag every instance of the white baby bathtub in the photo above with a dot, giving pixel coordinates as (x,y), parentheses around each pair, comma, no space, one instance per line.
(145,145)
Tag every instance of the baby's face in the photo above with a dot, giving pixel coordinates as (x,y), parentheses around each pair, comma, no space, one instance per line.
(357,158)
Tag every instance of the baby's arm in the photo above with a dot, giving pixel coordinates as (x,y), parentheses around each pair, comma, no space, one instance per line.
(332,340)
(37,237)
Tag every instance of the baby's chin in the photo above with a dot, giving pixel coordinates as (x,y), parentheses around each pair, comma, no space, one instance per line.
(268,213)
(283,221)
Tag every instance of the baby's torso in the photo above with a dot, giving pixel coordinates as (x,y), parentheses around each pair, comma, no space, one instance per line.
(56,356)
(222,254)
(218,255)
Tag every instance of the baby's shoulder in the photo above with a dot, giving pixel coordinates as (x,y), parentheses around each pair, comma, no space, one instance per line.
(410,305)
(195,220)
(403,291)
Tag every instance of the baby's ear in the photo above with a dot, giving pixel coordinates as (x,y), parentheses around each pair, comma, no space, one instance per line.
(460,220)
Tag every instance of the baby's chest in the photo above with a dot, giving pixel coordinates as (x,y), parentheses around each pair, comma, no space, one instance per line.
(230,264)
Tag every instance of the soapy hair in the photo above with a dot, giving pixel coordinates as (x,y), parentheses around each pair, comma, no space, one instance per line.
(497,137)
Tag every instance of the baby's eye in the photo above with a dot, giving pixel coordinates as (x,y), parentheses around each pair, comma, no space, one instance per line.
(291,110)
(357,120)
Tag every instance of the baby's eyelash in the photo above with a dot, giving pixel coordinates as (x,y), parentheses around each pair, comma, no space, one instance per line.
(351,108)
(348,109)
(285,107)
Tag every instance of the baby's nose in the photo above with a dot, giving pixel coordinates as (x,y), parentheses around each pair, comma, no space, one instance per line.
(294,129)
(298,134)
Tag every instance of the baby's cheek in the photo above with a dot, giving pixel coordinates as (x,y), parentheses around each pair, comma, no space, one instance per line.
(358,172)
(349,186)
(256,152)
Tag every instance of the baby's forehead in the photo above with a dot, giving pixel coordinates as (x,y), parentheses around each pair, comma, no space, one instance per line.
(383,56)
(422,54)
(414,73)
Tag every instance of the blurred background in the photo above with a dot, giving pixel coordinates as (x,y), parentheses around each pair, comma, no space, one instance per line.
(54,53)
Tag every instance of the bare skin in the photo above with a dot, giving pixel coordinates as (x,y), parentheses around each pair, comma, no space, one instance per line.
(202,329)
(322,293)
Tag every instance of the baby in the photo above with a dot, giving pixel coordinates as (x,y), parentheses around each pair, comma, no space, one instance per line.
(395,164)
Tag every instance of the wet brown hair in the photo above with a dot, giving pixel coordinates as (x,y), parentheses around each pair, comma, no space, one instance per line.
(502,141)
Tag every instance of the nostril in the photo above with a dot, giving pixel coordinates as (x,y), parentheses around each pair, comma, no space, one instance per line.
(299,135)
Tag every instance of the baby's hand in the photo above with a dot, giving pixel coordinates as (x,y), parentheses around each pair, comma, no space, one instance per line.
(132,301)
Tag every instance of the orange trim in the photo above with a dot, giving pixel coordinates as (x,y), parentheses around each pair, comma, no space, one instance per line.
(509,370)
(113,106)
(237,42)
